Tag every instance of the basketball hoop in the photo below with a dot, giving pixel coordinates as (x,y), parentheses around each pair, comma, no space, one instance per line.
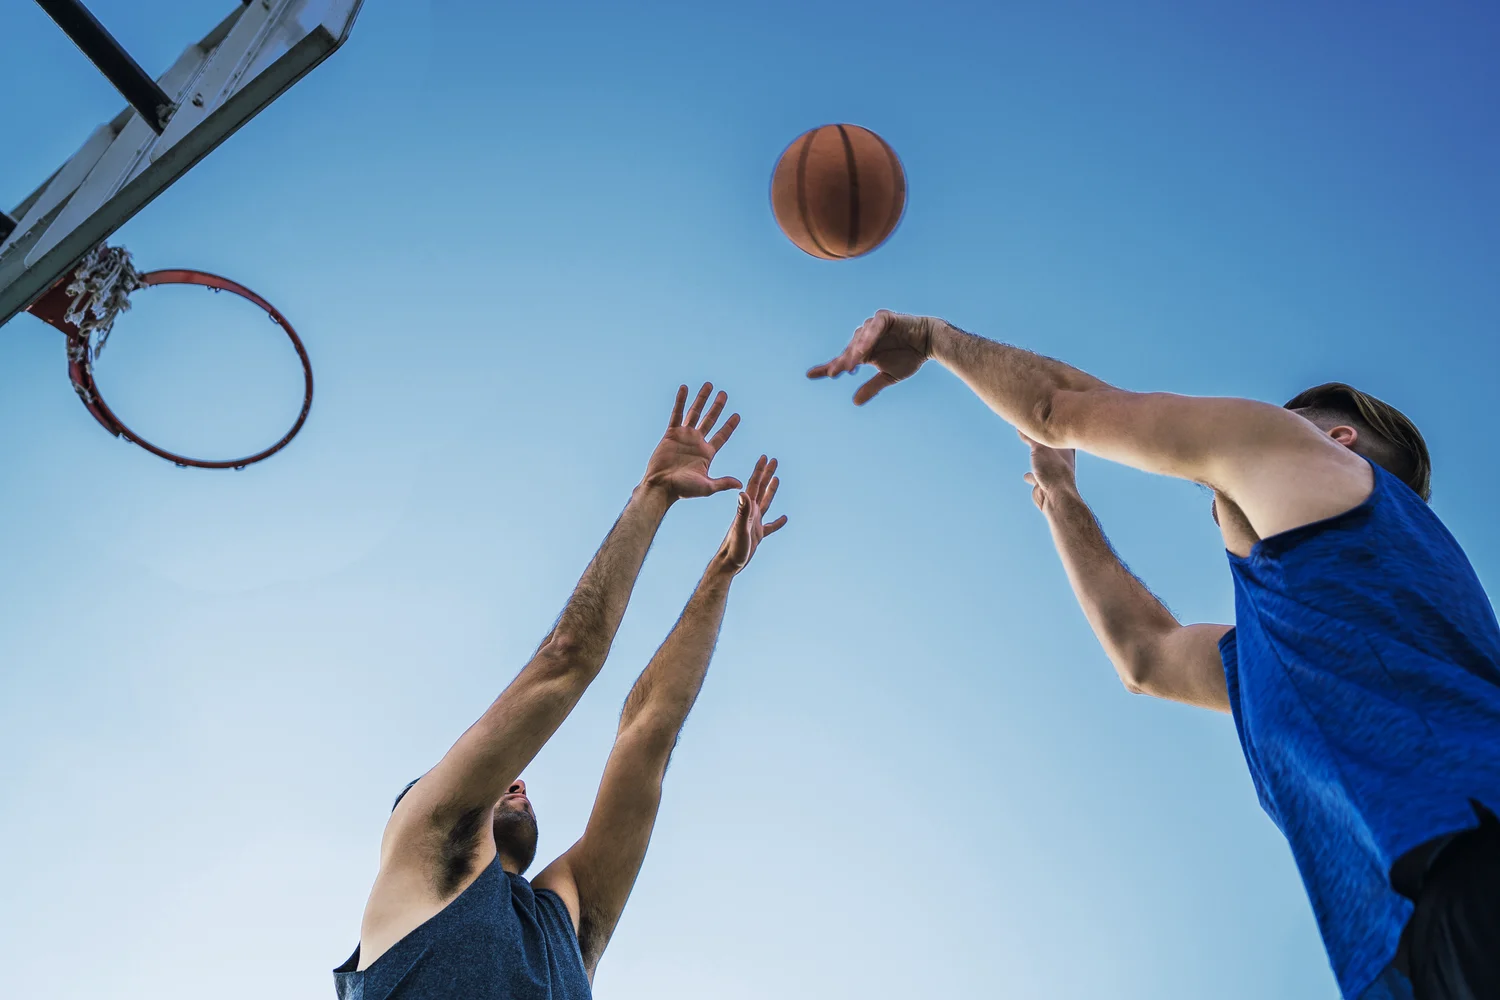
(84,306)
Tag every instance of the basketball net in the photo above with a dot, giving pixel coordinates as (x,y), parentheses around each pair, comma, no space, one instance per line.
(100,291)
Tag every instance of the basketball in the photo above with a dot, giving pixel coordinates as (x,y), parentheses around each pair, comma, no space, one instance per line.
(838,191)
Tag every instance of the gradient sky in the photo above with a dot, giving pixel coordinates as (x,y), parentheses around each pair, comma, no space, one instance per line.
(507,232)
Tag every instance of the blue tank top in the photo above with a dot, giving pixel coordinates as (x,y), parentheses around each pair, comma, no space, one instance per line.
(497,940)
(1364,677)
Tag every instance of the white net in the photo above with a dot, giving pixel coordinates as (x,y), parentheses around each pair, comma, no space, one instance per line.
(100,291)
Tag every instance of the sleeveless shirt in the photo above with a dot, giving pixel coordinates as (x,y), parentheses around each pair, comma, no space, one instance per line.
(1364,679)
(497,940)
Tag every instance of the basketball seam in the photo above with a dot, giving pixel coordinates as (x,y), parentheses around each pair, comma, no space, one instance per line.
(899,202)
(853,168)
(812,234)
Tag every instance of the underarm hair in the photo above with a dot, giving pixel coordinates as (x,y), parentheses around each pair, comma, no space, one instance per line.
(592,937)
(455,836)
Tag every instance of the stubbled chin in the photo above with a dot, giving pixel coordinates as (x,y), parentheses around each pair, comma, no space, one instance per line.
(516,836)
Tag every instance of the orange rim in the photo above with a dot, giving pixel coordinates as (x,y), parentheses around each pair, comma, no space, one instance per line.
(81,371)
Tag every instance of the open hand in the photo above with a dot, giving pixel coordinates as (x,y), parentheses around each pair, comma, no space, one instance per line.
(747,529)
(1053,472)
(679,465)
(894,343)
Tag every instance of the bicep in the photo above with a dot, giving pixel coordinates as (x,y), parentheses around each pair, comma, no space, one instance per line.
(1161,432)
(1279,468)
(1184,665)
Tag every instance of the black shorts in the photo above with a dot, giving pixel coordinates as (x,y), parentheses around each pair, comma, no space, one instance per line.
(1451,945)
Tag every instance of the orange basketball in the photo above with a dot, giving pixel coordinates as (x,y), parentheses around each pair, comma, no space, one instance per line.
(838,191)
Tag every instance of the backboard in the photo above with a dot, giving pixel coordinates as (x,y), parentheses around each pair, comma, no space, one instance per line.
(214,87)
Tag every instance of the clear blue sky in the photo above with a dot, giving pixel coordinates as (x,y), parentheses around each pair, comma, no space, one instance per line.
(507,232)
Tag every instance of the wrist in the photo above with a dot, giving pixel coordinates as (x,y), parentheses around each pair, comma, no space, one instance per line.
(720,571)
(940,336)
(653,495)
(1063,501)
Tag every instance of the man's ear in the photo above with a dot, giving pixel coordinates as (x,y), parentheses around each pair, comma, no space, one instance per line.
(1344,435)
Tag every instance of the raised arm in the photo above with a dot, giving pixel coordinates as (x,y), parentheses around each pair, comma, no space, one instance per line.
(1280,468)
(595,876)
(441,832)
(1152,652)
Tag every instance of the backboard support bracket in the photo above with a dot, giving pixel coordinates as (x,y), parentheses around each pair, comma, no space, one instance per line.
(133,83)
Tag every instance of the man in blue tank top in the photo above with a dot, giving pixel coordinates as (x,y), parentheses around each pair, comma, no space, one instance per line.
(451,916)
(1363,670)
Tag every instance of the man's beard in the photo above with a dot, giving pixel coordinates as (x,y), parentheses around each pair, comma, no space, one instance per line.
(515,836)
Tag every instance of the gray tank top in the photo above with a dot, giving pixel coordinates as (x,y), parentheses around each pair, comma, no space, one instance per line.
(499,939)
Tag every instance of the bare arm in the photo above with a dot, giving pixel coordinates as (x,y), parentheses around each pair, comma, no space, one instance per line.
(1152,652)
(1280,469)
(489,756)
(596,875)
(441,833)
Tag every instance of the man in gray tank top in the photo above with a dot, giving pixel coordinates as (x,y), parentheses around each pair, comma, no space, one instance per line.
(451,914)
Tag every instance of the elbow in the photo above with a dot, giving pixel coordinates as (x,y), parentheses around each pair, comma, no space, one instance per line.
(566,661)
(1131,681)
(1066,411)
(1050,416)
(567,652)
(1043,417)
(652,726)
(650,739)
(560,646)
(1134,667)
(659,743)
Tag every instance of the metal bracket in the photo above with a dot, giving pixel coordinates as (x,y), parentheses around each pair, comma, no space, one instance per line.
(113,61)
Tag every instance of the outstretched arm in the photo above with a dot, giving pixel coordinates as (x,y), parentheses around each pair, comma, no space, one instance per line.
(1279,468)
(595,876)
(459,794)
(1152,652)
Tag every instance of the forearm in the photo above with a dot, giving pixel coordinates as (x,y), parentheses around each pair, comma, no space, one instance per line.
(490,753)
(1127,618)
(585,630)
(1017,384)
(664,694)
(601,868)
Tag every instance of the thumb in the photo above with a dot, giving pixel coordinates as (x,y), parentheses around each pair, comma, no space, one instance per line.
(726,483)
(742,514)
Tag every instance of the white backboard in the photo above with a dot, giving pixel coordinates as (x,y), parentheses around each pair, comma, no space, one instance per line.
(218,84)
